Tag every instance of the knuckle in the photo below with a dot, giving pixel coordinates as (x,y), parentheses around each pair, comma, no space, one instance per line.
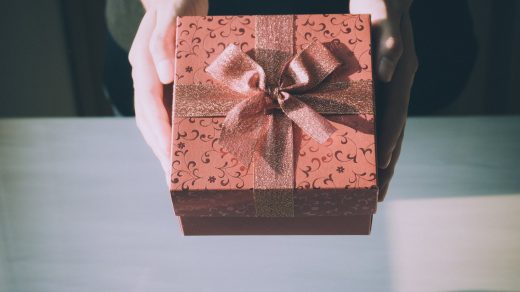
(391,48)
(394,46)
(131,57)
(143,92)
(386,174)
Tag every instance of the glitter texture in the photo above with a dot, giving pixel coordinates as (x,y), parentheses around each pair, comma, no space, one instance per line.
(264,97)
(214,100)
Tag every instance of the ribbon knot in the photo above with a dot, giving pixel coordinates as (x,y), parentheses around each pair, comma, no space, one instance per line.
(273,93)
(246,126)
(273,100)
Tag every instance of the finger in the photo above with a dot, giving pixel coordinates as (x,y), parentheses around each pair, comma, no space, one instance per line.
(162,44)
(141,40)
(386,21)
(393,98)
(156,130)
(388,45)
(151,116)
(144,127)
(148,90)
(385,175)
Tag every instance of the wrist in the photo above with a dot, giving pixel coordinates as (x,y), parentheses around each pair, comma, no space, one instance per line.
(151,4)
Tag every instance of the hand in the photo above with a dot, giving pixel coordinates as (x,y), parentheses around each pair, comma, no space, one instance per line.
(395,65)
(152,59)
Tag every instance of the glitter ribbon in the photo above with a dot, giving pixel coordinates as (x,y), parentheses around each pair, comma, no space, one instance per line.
(245,124)
(271,90)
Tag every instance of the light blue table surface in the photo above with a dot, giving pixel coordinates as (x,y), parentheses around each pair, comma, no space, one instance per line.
(84,207)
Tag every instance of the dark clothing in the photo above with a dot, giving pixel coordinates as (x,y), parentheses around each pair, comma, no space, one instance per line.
(446,48)
(445,44)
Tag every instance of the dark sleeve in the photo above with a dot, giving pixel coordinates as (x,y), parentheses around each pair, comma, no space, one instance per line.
(238,7)
(446,48)
(123,18)
(445,43)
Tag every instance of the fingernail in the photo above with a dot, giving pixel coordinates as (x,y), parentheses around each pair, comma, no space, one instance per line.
(386,69)
(382,192)
(165,71)
(385,161)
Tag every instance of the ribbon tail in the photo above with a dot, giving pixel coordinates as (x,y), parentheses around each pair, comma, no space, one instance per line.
(274,169)
(243,127)
(310,121)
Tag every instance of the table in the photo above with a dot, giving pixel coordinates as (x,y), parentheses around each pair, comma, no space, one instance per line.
(84,207)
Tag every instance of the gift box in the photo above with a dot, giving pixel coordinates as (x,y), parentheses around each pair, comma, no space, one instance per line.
(273,125)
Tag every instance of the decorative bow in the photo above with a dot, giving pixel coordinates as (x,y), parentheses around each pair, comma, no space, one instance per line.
(246,125)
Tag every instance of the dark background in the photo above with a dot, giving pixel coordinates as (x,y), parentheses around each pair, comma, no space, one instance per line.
(52,55)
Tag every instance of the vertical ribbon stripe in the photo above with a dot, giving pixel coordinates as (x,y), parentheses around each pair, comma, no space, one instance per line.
(274,163)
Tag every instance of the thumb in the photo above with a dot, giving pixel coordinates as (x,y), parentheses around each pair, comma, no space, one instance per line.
(386,29)
(389,47)
(162,45)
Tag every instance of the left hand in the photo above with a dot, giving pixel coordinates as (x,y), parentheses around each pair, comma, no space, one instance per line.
(152,57)
(395,65)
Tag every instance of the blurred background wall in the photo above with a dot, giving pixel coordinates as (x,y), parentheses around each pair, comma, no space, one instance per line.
(494,85)
(52,59)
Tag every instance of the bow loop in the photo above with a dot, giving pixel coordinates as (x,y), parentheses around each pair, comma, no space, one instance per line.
(244,126)
(309,68)
(237,70)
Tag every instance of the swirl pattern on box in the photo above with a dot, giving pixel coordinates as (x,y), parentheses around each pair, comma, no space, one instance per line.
(335,178)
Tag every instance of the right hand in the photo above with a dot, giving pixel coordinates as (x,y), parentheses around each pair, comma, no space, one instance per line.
(396,64)
(152,58)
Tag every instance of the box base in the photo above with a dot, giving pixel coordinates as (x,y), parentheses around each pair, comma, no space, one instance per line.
(318,225)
